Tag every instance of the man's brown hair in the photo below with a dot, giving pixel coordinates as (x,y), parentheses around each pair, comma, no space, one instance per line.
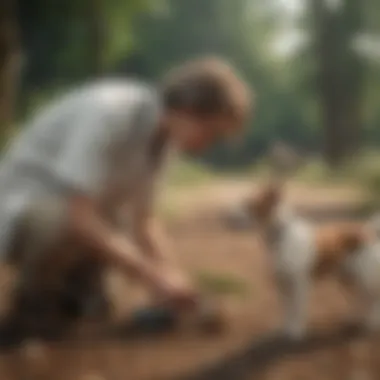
(207,87)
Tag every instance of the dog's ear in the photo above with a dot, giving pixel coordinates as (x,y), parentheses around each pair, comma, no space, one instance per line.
(266,200)
(273,192)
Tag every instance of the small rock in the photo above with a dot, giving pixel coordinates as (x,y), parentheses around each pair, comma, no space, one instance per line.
(212,318)
(92,376)
(36,356)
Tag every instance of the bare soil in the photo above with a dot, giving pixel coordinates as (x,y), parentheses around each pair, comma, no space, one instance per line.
(203,243)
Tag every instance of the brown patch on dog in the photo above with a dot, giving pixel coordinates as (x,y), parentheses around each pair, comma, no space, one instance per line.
(336,241)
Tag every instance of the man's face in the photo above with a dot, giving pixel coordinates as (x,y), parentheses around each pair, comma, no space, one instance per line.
(194,134)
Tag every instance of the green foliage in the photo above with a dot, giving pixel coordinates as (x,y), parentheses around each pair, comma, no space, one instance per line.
(119,17)
(63,39)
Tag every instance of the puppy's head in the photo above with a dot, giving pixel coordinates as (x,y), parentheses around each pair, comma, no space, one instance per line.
(259,209)
(262,208)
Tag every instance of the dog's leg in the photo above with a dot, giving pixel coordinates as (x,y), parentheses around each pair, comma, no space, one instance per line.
(361,352)
(295,292)
(365,276)
(372,316)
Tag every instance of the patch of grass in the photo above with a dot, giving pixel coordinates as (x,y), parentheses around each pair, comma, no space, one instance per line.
(363,170)
(366,171)
(314,170)
(222,284)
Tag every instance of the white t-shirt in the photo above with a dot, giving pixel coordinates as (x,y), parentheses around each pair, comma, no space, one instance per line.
(95,141)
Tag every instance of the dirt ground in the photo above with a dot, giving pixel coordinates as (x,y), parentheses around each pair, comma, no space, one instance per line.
(202,242)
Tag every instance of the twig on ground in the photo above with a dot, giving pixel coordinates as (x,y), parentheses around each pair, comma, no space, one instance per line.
(262,353)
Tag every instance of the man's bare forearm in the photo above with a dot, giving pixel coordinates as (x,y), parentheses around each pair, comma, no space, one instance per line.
(154,242)
(110,245)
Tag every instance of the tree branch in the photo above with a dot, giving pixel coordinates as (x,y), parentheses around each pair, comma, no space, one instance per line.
(264,352)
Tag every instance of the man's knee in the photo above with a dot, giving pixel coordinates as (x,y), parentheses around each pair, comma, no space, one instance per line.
(46,217)
(39,227)
(50,258)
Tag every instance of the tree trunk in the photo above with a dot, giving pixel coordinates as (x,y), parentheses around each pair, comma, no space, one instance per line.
(96,29)
(10,64)
(353,78)
(339,79)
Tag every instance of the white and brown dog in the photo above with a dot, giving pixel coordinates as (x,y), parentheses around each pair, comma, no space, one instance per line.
(301,252)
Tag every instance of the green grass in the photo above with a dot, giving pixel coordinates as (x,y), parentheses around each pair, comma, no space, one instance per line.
(363,170)
(362,173)
(316,171)
(366,172)
(222,284)
(313,171)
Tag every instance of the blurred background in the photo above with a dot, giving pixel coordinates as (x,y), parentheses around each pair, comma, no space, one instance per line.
(315,68)
(314,64)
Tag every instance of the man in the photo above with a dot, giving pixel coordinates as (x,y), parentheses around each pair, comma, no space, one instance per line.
(92,159)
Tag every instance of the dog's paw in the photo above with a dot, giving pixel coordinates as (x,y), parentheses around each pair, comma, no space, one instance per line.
(372,322)
(360,374)
(294,331)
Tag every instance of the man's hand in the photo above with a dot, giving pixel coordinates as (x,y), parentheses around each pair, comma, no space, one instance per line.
(153,241)
(175,289)
(161,277)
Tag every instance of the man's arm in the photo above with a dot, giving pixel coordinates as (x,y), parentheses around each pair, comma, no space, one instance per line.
(85,168)
(88,227)
(147,230)
(114,248)
(150,236)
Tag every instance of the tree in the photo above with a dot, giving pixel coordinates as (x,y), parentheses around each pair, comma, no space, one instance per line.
(339,77)
(70,41)
(96,35)
(10,63)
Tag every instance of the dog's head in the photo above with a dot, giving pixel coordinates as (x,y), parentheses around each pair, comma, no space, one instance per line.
(260,209)
(266,207)
(262,206)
